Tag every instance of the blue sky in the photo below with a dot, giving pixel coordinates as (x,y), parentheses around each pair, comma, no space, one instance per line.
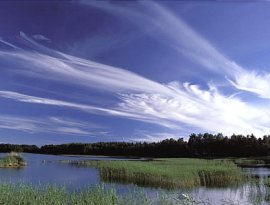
(87,71)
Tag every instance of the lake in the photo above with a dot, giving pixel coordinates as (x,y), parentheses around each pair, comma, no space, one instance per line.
(45,169)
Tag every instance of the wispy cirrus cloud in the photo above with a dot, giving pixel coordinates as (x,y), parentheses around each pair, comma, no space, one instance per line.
(207,110)
(53,65)
(57,125)
(114,111)
(40,37)
(253,81)
(187,41)
(173,31)
(171,105)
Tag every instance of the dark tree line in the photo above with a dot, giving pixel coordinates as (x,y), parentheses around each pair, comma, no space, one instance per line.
(198,145)
(19,148)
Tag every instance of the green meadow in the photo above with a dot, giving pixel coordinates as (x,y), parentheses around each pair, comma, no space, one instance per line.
(169,173)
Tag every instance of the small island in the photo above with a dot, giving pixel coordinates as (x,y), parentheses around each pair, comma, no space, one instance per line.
(12,160)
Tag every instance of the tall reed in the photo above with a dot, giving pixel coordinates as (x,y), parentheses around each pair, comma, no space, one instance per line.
(169,173)
(100,195)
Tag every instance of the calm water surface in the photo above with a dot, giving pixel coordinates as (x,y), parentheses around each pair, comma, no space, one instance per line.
(45,169)
(42,169)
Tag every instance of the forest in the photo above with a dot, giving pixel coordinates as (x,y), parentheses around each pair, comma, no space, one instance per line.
(198,145)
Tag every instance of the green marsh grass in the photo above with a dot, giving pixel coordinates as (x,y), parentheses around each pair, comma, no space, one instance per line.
(169,173)
(249,162)
(100,195)
(12,160)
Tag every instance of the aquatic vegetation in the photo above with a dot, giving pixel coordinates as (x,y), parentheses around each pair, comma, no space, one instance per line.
(250,162)
(169,173)
(43,195)
(12,160)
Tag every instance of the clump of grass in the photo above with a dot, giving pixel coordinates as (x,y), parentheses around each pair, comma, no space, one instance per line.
(266,182)
(28,195)
(12,160)
(249,162)
(169,173)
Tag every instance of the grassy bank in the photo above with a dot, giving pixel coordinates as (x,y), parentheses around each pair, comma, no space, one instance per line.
(169,173)
(12,160)
(99,195)
(252,162)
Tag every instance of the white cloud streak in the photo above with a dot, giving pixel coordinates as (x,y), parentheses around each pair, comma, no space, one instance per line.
(178,35)
(191,44)
(254,82)
(57,125)
(170,105)
(78,71)
(173,31)
(207,110)
(40,37)
(84,108)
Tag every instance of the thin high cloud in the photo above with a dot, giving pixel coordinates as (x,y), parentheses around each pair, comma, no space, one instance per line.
(204,109)
(207,110)
(53,65)
(57,125)
(254,82)
(114,111)
(173,31)
(189,43)
(169,105)
(187,104)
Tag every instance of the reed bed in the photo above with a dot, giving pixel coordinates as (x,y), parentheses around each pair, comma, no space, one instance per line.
(250,162)
(100,195)
(12,160)
(169,173)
